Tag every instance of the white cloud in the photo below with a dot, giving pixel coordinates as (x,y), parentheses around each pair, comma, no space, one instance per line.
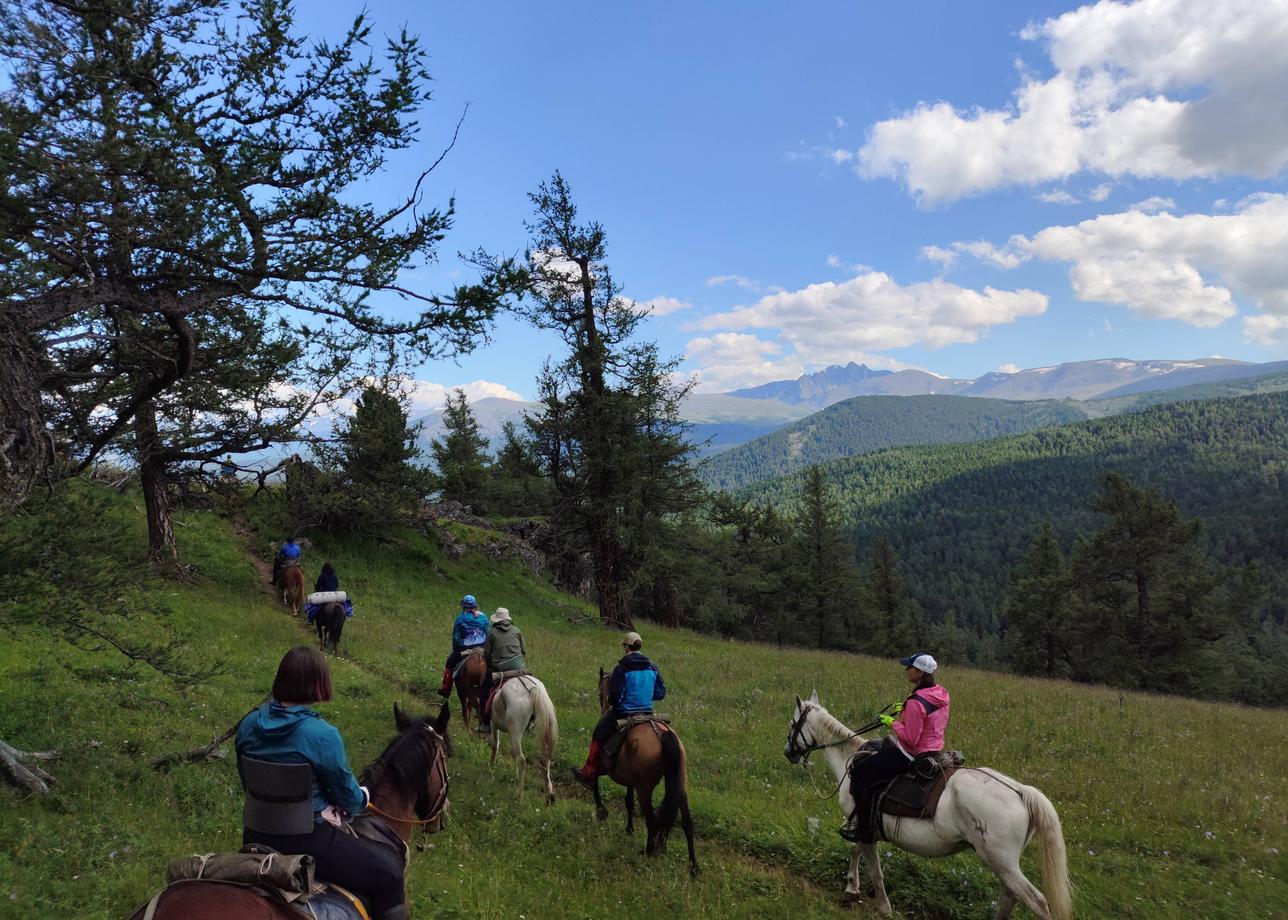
(1154,204)
(835,262)
(1009,368)
(1100,192)
(663,306)
(1058,196)
(1266,329)
(1166,266)
(1005,257)
(1156,89)
(426,396)
(830,322)
(747,284)
(840,122)
(730,360)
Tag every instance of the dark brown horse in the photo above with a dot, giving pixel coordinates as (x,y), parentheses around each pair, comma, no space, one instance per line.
(329,621)
(408,784)
(291,580)
(469,686)
(649,754)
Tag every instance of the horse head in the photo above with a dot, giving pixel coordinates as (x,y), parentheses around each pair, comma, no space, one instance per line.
(603,690)
(800,736)
(408,781)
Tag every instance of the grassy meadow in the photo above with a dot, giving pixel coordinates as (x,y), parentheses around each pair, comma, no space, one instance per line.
(1171,808)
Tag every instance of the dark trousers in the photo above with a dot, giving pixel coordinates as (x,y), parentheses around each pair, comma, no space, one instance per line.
(365,868)
(607,723)
(867,774)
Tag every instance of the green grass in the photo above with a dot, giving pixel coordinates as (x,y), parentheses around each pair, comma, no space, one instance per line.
(1171,808)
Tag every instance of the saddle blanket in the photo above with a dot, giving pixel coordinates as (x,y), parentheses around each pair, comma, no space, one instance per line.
(660,724)
(311,610)
(498,681)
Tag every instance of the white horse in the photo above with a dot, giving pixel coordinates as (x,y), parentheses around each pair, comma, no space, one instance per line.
(522,702)
(980,808)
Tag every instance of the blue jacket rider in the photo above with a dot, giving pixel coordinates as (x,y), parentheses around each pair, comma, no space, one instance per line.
(290,552)
(287,730)
(634,685)
(469,631)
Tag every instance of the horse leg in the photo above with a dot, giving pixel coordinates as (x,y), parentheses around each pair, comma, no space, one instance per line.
(495,741)
(650,820)
(1006,864)
(853,889)
(686,821)
(873,859)
(630,809)
(600,811)
(520,763)
(1005,904)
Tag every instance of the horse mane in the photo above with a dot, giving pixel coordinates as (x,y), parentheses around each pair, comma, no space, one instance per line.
(835,725)
(408,757)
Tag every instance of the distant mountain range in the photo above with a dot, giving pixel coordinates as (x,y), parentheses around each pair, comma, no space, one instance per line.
(863,424)
(1075,380)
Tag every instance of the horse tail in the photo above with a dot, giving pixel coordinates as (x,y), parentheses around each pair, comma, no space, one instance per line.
(676,772)
(1055,870)
(545,721)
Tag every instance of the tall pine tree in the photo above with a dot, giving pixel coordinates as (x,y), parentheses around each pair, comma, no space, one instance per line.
(1038,610)
(898,618)
(828,593)
(460,457)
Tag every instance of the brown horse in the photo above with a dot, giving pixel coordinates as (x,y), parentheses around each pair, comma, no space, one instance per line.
(291,581)
(650,753)
(408,784)
(469,686)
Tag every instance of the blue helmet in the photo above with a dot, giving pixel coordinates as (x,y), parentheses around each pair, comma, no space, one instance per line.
(469,603)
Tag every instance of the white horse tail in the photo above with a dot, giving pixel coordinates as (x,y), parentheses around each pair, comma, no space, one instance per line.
(545,721)
(1055,870)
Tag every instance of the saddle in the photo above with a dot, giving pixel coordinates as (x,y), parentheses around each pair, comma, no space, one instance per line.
(498,681)
(466,654)
(915,793)
(659,723)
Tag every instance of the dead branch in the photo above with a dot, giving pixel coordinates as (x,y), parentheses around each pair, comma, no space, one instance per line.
(19,771)
(205,751)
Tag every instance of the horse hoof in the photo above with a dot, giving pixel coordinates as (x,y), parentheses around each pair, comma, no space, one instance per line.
(694,871)
(550,798)
(601,814)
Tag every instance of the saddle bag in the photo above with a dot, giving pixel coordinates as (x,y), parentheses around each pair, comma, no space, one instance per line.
(326,597)
(290,875)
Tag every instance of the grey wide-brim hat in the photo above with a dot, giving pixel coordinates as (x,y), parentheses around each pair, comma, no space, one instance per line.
(501,616)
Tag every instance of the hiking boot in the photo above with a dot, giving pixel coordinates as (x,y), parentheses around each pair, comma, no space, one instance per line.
(849,831)
(590,782)
(484,728)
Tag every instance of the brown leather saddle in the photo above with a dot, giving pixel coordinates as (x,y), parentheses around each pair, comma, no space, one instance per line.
(498,681)
(659,723)
(915,793)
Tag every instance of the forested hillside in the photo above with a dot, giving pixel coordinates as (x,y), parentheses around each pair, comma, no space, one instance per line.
(960,516)
(867,423)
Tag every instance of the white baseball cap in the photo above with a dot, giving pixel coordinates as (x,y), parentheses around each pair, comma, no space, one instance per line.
(922,661)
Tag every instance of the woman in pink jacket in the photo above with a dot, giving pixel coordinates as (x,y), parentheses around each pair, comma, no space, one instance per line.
(919,728)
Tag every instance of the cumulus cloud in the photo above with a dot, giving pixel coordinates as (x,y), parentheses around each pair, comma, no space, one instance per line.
(1166,266)
(1156,89)
(830,322)
(1058,196)
(1100,192)
(426,396)
(730,360)
(1009,368)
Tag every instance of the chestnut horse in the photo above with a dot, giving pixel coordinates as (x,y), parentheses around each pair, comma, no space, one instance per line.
(408,784)
(469,684)
(291,580)
(650,753)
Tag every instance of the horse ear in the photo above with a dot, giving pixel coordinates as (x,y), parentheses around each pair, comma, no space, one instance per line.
(813,697)
(444,716)
(601,672)
(400,717)
(799,702)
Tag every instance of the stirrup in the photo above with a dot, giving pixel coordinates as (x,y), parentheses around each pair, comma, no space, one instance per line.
(849,831)
(588,782)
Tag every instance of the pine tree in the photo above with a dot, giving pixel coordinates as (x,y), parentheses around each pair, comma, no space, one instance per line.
(1038,636)
(460,457)
(898,617)
(1147,594)
(828,593)
(515,486)
(369,478)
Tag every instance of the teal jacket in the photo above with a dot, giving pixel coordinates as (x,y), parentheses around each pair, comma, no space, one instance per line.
(297,734)
(469,630)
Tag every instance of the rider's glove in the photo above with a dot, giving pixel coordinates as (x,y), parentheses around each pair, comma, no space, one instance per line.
(887,721)
(896,709)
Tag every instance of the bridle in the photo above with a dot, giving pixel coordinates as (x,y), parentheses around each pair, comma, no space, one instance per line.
(438,769)
(797,734)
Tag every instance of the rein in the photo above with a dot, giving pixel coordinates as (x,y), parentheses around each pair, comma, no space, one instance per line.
(797,736)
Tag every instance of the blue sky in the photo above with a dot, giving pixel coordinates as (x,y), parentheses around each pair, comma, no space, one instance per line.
(951,186)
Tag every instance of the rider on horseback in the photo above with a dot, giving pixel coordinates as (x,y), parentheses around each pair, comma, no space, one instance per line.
(289,554)
(504,651)
(284,730)
(469,631)
(919,728)
(635,684)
